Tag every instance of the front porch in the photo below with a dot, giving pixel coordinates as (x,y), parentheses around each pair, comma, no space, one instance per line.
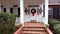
(18,8)
(34,19)
(26,15)
(33,23)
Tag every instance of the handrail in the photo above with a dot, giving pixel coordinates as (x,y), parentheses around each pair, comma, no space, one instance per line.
(18,31)
(48,30)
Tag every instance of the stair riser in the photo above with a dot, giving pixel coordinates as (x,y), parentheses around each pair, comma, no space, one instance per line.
(28,33)
(34,33)
(35,30)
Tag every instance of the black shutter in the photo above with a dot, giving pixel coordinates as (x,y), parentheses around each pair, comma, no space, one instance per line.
(11,10)
(18,12)
(4,9)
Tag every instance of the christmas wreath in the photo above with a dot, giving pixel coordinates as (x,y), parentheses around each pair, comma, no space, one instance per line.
(33,11)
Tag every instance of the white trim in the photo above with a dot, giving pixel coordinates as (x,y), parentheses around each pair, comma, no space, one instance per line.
(54,3)
(0,6)
(21,11)
(46,12)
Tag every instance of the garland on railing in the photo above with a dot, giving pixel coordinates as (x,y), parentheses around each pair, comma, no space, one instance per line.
(40,11)
(26,11)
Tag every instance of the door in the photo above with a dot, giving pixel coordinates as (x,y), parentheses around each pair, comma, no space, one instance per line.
(29,16)
(55,13)
(33,13)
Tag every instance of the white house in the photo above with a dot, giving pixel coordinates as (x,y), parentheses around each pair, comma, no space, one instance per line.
(22,9)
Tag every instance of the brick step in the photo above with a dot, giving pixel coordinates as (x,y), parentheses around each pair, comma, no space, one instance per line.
(34,29)
(33,23)
(33,32)
(33,26)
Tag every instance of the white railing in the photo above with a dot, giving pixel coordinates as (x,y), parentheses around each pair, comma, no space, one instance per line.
(29,18)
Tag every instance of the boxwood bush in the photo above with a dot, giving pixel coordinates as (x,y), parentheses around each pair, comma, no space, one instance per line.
(55,25)
(54,21)
(57,28)
(7,23)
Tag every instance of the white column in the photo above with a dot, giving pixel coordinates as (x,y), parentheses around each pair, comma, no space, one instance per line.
(21,12)
(46,12)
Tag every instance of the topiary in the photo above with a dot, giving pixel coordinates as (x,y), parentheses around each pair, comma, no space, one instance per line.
(7,23)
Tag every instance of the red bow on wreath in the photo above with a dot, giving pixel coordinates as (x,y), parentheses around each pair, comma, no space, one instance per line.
(33,13)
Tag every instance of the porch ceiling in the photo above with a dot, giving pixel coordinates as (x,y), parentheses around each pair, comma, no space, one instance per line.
(33,2)
(8,3)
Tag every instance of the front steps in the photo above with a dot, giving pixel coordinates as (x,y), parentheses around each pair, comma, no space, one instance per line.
(34,28)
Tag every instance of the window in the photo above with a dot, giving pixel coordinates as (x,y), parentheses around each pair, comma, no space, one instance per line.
(50,13)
